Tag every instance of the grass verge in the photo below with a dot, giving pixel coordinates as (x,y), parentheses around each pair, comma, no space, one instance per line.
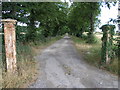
(26,64)
(92,54)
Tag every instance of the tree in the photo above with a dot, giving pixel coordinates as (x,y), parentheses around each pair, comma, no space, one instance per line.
(94,11)
(83,17)
(51,16)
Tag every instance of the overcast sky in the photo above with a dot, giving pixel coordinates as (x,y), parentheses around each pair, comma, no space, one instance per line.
(107,13)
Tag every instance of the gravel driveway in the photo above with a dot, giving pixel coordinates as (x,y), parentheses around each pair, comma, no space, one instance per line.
(62,67)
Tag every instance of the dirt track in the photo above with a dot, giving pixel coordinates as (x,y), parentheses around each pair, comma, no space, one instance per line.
(62,67)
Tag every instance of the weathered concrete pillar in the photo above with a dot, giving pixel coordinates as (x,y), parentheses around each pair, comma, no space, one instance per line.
(107,43)
(10,44)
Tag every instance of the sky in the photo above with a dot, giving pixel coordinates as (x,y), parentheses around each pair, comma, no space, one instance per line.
(107,13)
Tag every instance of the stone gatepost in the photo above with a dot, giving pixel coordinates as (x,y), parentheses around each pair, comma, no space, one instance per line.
(10,44)
(107,43)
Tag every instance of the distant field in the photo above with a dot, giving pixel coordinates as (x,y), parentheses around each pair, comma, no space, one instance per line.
(99,36)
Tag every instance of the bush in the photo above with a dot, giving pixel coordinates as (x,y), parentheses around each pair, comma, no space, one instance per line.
(21,33)
(91,39)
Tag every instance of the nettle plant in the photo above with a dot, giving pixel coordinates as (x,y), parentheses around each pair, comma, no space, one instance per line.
(107,43)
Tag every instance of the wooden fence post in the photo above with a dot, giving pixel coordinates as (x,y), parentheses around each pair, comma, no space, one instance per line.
(107,43)
(10,44)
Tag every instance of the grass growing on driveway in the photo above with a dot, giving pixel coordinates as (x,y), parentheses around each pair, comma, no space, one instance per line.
(27,65)
(92,54)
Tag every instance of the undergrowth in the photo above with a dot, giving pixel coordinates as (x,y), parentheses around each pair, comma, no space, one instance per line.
(26,64)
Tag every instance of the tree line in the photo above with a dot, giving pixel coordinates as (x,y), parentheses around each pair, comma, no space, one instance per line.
(53,18)
(46,19)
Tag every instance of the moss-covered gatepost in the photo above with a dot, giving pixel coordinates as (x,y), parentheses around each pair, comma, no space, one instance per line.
(107,43)
(10,44)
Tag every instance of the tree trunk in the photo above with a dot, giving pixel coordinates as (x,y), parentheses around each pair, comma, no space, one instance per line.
(90,34)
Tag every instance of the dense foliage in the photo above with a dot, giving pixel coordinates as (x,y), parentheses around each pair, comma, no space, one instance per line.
(42,19)
(83,18)
(53,18)
(107,44)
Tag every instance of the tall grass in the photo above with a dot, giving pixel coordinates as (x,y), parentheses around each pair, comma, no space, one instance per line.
(92,54)
(26,64)
(26,67)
